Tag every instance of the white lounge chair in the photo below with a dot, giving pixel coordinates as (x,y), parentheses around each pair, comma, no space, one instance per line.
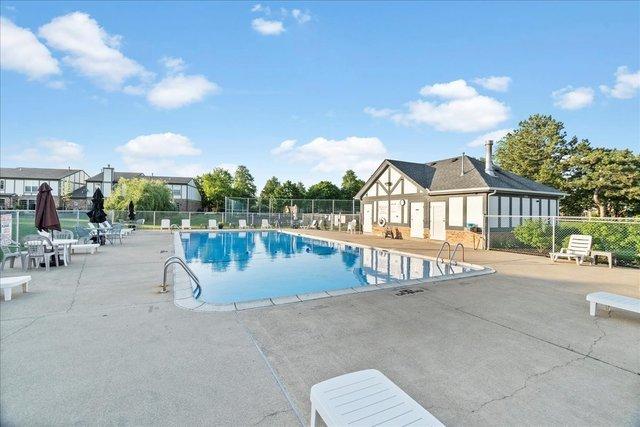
(612,300)
(313,225)
(351,226)
(265,224)
(579,249)
(186,224)
(165,224)
(90,248)
(366,398)
(6,283)
(242,223)
(213,224)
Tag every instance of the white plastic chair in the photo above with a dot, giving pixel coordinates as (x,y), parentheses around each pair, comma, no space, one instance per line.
(165,224)
(186,224)
(213,224)
(579,248)
(242,223)
(265,224)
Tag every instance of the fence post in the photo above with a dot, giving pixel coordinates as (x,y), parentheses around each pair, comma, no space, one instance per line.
(553,231)
(488,233)
(18,226)
(312,207)
(154,218)
(77,217)
(353,207)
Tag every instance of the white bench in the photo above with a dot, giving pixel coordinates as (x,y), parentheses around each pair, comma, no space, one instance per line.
(6,283)
(91,248)
(612,300)
(366,398)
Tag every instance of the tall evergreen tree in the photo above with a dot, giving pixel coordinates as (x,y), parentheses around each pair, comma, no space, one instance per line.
(270,188)
(351,184)
(243,183)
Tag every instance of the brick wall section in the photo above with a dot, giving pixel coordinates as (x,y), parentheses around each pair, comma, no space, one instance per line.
(404,231)
(468,238)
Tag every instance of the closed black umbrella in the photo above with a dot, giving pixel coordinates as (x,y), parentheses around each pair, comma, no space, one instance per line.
(46,214)
(97,214)
(132,214)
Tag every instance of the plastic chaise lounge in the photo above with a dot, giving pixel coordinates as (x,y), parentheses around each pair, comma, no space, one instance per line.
(366,398)
(612,300)
(213,224)
(165,224)
(6,283)
(265,224)
(186,224)
(242,223)
(579,249)
(312,226)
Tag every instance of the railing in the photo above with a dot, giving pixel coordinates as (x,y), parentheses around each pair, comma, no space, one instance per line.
(181,262)
(452,259)
(445,243)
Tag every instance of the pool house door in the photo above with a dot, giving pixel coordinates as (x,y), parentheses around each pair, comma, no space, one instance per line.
(417,219)
(437,215)
(367,222)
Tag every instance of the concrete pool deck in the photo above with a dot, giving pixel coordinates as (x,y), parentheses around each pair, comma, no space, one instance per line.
(95,343)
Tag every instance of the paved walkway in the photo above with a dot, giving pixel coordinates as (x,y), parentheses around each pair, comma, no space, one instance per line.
(94,343)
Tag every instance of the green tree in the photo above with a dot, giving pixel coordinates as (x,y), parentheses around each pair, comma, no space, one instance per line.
(351,184)
(270,188)
(146,195)
(323,190)
(243,183)
(214,187)
(539,150)
(290,190)
(611,177)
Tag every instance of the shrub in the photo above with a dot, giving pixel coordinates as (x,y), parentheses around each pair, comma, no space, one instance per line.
(534,233)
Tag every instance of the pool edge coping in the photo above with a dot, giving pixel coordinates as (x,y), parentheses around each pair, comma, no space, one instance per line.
(183,286)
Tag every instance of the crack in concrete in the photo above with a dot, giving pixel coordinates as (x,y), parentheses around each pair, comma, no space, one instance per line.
(22,328)
(75,291)
(269,415)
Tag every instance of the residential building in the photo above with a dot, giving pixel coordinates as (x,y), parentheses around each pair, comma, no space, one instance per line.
(19,186)
(183,189)
(448,199)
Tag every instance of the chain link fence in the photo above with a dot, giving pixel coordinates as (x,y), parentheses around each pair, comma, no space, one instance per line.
(236,205)
(544,234)
(18,223)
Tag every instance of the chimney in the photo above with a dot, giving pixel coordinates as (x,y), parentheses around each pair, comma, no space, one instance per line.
(462,165)
(488,162)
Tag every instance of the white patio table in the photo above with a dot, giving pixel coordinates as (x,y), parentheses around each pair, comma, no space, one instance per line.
(66,247)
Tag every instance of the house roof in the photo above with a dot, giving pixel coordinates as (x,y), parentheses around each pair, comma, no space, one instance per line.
(129,175)
(116,175)
(36,173)
(444,176)
(79,193)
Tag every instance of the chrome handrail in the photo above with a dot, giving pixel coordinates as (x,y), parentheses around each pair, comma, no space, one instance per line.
(441,248)
(453,256)
(181,262)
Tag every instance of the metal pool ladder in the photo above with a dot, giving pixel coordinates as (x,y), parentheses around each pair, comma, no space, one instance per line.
(451,256)
(181,262)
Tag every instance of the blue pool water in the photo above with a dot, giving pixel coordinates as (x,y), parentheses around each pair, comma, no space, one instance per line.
(251,265)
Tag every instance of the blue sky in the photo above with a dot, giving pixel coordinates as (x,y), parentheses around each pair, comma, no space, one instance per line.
(304,90)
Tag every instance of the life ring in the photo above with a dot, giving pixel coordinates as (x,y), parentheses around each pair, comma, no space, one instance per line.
(382,222)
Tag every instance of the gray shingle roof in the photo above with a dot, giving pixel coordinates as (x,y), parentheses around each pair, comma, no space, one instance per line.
(116,175)
(36,173)
(172,179)
(445,175)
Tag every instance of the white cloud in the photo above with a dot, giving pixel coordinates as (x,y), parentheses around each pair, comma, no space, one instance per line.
(569,98)
(56,84)
(159,145)
(627,84)
(300,16)
(362,155)
(180,90)
(463,109)
(285,146)
(379,112)
(91,50)
(267,27)
(57,152)
(497,83)
(21,51)
(156,153)
(260,8)
(457,89)
(495,135)
(173,65)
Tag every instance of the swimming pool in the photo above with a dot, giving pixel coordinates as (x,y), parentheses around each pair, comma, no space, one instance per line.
(240,266)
